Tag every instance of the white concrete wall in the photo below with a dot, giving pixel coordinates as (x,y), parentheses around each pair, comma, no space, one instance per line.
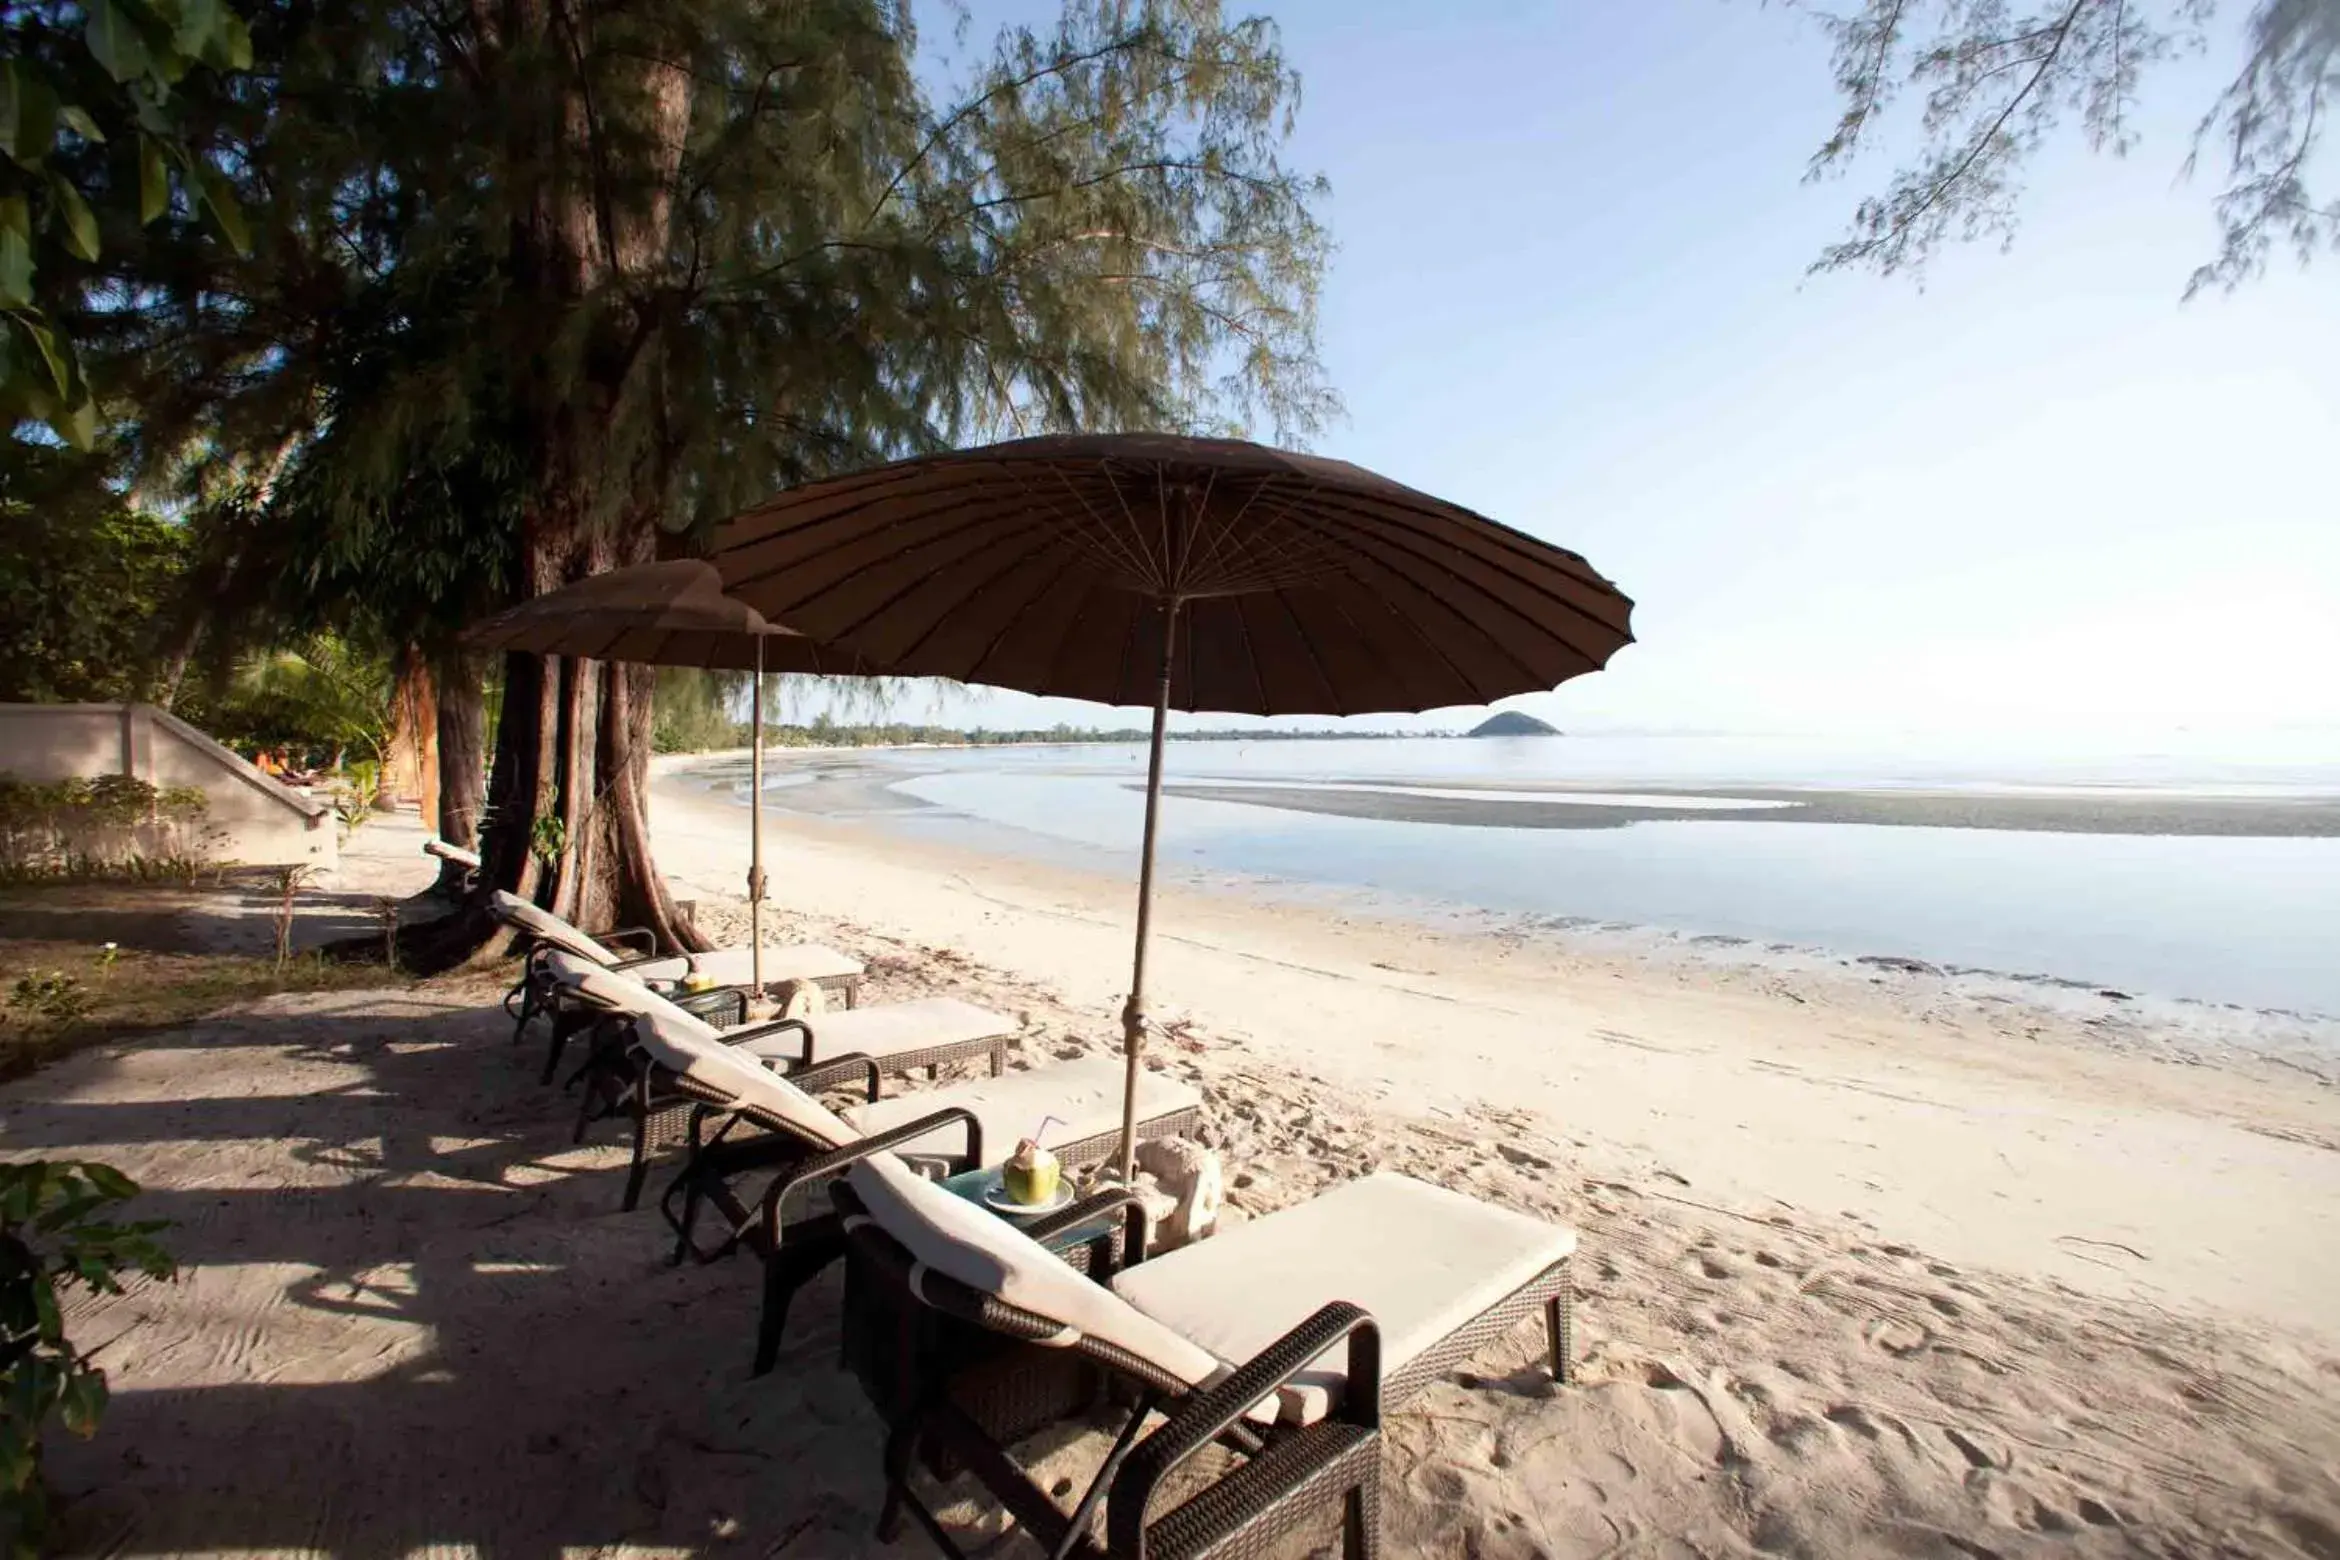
(260,820)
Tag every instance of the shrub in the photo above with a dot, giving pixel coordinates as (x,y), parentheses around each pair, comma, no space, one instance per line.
(53,1239)
(109,826)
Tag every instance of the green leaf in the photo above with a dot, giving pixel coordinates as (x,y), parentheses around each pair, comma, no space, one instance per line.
(28,117)
(219,198)
(77,425)
(16,280)
(115,42)
(81,226)
(77,120)
(154,181)
(84,1402)
(231,43)
(110,1181)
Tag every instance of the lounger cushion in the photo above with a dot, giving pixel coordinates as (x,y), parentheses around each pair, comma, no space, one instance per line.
(955,1238)
(690,1047)
(1084,1096)
(1423,1260)
(726,966)
(891,1030)
(546,927)
(789,961)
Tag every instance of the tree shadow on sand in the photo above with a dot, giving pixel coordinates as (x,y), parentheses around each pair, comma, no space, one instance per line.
(412,1315)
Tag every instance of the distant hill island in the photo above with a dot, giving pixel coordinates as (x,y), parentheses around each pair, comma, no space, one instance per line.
(1511,723)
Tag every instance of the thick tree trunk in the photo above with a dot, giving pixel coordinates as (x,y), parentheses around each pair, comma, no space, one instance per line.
(462,766)
(567,824)
(410,763)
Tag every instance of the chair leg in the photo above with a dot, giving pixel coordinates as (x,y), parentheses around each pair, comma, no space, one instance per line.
(585,1117)
(688,1219)
(999,1059)
(552,1057)
(640,1171)
(785,1272)
(900,1456)
(1556,1327)
(1361,1521)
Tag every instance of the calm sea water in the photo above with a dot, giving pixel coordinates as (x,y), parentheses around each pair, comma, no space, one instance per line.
(2252,922)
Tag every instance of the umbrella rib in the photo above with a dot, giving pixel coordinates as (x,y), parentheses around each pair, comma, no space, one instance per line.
(1219,541)
(1324,679)
(1085,522)
(991,646)
(1430,560)
(1404,521)
(1251,649)
(974,590)
(1070,636)
(938,539)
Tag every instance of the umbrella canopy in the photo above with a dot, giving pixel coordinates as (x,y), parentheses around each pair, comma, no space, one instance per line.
(1193,574)
(673,614)
(658,614)
(1307,586)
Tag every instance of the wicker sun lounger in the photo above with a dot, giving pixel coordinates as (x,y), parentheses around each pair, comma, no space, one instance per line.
(899,1037)
(1282,1340)
(836,973)
(745,1118)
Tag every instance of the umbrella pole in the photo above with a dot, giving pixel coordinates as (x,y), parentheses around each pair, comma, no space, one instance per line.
(756,831)
(1133,1013)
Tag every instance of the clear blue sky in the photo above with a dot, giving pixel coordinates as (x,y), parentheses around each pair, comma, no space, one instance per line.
(2039,495)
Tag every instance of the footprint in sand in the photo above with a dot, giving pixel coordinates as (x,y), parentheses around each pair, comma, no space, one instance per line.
(1709,1267)
(1900,1336)
(1972,1449)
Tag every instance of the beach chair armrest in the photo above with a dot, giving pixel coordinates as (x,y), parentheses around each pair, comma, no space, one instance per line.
(1135,1227)
(1207,1415)
(626,934)
(826,1167)
(837,1070)
(638,963)
(773,1027)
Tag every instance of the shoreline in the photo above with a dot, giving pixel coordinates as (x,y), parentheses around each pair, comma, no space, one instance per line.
(838,784)
(1983,1131)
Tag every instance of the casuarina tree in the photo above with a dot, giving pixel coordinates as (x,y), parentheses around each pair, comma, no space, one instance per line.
(623,269)
(1993,81)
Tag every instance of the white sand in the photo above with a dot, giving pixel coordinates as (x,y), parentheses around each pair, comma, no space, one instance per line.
(1861,1273)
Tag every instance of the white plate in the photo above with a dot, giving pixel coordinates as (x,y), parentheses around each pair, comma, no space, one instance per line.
(996,1198)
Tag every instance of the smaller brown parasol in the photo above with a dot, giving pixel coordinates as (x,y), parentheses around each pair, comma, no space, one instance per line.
(673,614)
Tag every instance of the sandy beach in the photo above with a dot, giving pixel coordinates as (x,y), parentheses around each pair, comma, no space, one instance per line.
(1868,1266)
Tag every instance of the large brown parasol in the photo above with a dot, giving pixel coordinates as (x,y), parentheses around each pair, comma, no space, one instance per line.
(1192,574)
(673,614)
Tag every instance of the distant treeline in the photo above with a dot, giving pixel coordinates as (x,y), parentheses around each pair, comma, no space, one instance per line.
(828,733)
(825,733)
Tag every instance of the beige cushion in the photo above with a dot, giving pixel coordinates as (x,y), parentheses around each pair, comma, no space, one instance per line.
(726,966)
(789,961)
(953,1237)
(686,1046)
(546,927)
(618,991)
(1084,1096)
(1422,1260)
(689,1046)
(886,1031)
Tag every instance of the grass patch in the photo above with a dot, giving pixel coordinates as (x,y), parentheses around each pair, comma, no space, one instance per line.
(58,995)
